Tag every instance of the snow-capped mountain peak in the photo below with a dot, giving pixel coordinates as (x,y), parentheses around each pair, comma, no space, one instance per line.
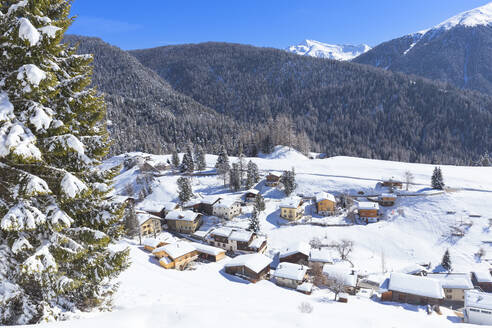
(331,51)
(474,17)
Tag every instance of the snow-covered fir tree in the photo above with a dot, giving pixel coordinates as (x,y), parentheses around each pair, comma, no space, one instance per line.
(200,164)
(288,180)
(235,177)
(437,181)
(446,261)
(254,221)
(55,224)
(222,165)
(175,158)
(260,203)
(241,162)
(185,191)
(132,228)
(252,175)
(187,165)
(191,162)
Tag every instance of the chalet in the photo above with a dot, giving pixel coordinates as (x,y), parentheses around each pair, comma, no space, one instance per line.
(150,244)
(226,208)
(348,276)
(160,209)
(298,254)
(252,267)
(325,203)
(478,308)
(149,224)
(162,166)
(146,167)
(368,211)
(236,240)
(291,209)
(209,253)
(483,280)
(176,256)
(272,180)
(290,275)
(206,205)
(183,221)
(405,288)
(392,183)
(250,195)
(387,199)
(305,288)
(454,285)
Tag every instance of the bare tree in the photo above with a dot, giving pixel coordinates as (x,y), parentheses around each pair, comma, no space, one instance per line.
(315,243)
(336,284)
(408,178)
(344,248)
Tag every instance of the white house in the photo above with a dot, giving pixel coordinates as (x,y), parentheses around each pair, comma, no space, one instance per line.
(478,307)
(226,208)
(290,275)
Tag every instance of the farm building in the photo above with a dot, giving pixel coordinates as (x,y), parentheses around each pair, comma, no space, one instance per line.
(272,180)
(237,240)
(405,288)
(208,252)
(226,208)
(250,195)
(482,279)
(176,255)
(160,209)
(150,244)
(478,307)
(318,257)
(183,221)
(392,183)
(368,211)
(206,205)
(290,275)
(291,209)
(305,288)
(325,203)
(149,224)
(344,273)
(387,199)
(454,285)
(298,254)
(253,267)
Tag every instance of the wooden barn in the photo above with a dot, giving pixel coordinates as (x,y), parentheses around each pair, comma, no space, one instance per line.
(250,195)
(392,183)
(272,180)
(298,254)
(387,199)
(405,288)
(482,279)
(209,253)
(150,244)
(290,275)
(253,267)
(368,211)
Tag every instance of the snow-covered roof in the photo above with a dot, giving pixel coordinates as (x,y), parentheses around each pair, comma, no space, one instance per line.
(292,202)
(150,242)
(143,217)
(150,206)
(252,191)
(323,255)
(453,280)
(413,269)
(387,195)
(241,235)
(483,276)
(176,250)
(305,287)
(478,299)
(255,262)
(222,232)
(367,206)
(257,242)
(165,260)
(341,272)
(226,203)
(415,285)
(324,196)
(210,200)
(210,250)
(181,215)
(290,271)
(301,247)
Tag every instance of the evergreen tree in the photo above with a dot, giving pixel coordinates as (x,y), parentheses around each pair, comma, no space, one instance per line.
(235,177)
(254,222)
(187,165)
(222,164)
(252,175)
(174,158)
(446,261)
(259,203)
(200,158)
(189,152)
(288,179)
(55,220)
(437,181)
(132,228)
(185,192)
(241,162)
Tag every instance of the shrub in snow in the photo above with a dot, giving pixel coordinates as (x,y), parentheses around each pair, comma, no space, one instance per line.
(55,221)
(305,307)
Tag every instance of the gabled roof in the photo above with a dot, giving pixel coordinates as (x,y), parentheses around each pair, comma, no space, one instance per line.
(483,276)
(478,299)
(241,235)
(305,287)
(143,217)
(210,200)
(324,196)
(290,271)
(225,203)
(257,242)
(222,232)
(453,280)
(367,206)
(206,249)
(177,215)
(255,262)
(151,242)
(341,272)
(302,247)
(176,250)
(293,202)
(415,285)
(323,255)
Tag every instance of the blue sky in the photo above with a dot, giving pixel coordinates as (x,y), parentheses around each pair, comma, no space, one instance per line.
(274,23)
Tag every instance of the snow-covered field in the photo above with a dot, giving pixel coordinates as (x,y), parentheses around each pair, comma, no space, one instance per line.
(416,229)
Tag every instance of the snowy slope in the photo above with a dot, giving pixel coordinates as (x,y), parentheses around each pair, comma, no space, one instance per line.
(331,51)
(478,16)
(416,230)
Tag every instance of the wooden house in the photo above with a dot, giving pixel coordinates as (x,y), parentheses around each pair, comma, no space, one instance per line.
(272,180)
(405,288)
(290,275)
(387,199)
(250,195)
(253,267)
(146,167)
(183,221)
(298,254)
(392,183)
(368,211)
(150,244)
(291,209)
(209,253)
(237,240)
(160,209)
(454,285)
(226,208)
(318,257)
(176,255)
(149,224)
(325,203)
(478,308)
(483,280)
(206,205)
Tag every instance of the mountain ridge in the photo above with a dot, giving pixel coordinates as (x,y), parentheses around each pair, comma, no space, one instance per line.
(318,49)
